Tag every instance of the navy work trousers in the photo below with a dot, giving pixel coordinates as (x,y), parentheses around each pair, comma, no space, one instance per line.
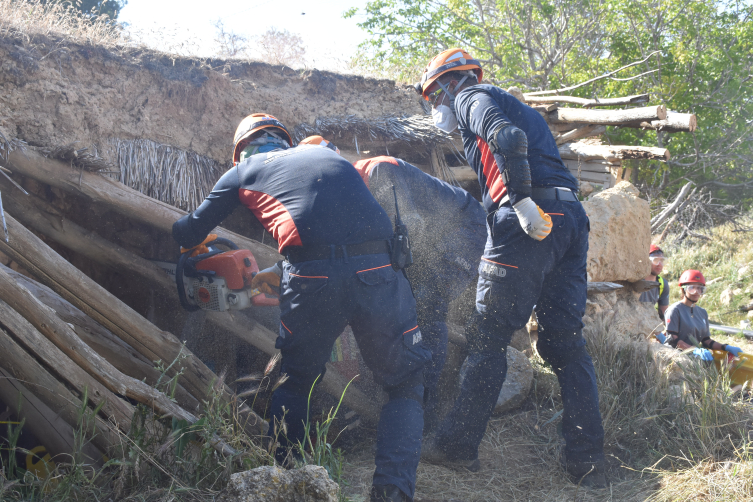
(516,273)
(319,298)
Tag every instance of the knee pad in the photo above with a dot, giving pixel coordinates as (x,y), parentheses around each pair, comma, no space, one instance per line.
(486,334)
(407,391)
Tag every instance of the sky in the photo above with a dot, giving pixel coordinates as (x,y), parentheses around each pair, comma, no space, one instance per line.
(187,27)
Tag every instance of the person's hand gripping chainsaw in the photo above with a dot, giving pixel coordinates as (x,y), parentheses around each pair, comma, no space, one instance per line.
(510,147)
(268,280)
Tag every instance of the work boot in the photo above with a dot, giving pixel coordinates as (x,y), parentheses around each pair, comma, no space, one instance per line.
(433,454)
(586,474)
(388,493)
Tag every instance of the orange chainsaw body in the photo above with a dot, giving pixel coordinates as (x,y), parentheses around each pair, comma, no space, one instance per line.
(236,267)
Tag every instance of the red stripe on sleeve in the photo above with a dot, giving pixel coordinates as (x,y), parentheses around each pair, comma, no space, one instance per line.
(273,216)
(494,182)
(365,166)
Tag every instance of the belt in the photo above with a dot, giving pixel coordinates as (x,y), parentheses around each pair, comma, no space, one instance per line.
(297,254)
(548,193)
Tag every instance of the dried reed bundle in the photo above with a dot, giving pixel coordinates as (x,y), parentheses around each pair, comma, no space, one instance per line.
(178,177)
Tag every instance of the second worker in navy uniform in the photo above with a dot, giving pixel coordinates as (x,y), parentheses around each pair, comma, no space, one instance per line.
(338,271)
(535,255)
(447,229)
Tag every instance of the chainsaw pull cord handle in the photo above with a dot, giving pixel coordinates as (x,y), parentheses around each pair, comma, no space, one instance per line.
(184,259)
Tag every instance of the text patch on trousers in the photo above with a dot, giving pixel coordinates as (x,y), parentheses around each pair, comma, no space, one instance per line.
(491,270)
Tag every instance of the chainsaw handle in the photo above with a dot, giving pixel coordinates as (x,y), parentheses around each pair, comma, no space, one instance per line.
(181,286)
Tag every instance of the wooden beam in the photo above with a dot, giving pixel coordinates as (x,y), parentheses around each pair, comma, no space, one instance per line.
(581,132)
(589,103)
(608,117)
(585,151)
(120,198)
(675,122)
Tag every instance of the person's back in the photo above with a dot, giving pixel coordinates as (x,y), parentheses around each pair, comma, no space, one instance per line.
(305,196)
(547,168)
(447,229)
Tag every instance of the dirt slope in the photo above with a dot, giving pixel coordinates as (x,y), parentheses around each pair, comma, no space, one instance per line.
(55,93)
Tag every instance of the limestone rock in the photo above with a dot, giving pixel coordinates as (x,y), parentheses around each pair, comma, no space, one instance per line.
(620,235)
(586,188)
(515,91)
(517,383)
(726,296)
(310,483)
(626,316)
(743,272)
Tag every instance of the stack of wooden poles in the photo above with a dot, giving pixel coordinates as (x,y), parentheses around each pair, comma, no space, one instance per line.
(63,336)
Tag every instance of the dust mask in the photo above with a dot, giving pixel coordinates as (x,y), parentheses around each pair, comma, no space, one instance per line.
(444,118)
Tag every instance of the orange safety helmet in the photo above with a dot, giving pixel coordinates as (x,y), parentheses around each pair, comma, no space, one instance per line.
(253,124)
(691,276)
(654,249)
(449,60)
(318,140)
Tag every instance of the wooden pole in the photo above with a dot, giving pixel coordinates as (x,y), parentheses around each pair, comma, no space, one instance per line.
(608,117)
(54,433)
(120,198)
(48,353)
(581,132)
(42,217)
(120,354)
(585,151)
(588,103)
(50,390)
(99,304)
(64,338)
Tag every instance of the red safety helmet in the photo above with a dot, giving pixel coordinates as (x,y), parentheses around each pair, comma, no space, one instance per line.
(449,60)
(654,249)
(318,140)
(691,276)
(253,124)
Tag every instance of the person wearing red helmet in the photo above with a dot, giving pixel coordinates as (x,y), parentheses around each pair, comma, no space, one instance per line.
(688,324)
(658,296)
(536,251)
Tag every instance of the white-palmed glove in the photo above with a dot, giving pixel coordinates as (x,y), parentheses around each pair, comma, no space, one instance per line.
(535,222)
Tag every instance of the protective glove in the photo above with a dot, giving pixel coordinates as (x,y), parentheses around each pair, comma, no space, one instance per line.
(536,223)
(661,337)
(267,279)
(199,248)
(703,354)
(735,351)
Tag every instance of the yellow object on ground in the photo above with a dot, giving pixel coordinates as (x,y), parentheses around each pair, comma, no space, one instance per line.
(740,369)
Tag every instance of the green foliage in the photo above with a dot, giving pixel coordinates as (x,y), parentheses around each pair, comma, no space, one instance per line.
(702,63)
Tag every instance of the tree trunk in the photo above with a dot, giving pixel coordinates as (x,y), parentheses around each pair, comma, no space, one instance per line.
(584,151)
(608,117)
(675,122)
(122,199)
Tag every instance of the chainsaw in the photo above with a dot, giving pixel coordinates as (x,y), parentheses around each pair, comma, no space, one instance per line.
(220,280)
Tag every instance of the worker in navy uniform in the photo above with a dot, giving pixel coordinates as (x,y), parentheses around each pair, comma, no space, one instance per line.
(535,255)
(447,228)
(335,238)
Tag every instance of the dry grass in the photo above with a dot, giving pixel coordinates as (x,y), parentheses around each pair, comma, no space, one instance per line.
(651,419)
(31,18)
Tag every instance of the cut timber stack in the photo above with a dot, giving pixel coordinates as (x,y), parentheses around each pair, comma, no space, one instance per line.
(571,119)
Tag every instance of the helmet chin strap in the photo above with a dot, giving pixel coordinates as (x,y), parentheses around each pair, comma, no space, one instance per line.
(450,94)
